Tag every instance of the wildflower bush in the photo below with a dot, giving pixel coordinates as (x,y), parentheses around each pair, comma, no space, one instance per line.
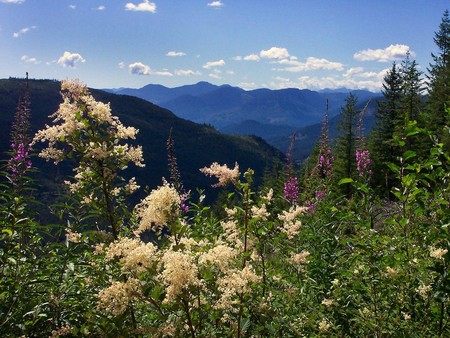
(306,261)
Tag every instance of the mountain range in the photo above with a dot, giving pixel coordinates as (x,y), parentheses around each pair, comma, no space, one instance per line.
(273,115)
(196,145)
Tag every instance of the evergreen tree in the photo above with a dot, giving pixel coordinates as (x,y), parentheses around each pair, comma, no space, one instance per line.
(439,79)
(388,114)
(346,142)
(412,89)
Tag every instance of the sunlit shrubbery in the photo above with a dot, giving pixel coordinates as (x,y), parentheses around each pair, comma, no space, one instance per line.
(307,262)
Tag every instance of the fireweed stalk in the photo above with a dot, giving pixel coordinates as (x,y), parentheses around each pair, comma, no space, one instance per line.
(85,130)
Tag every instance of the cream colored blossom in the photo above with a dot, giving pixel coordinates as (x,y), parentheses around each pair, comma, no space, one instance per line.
(73,236)
(179,272)
(223,173)
(159,207)
(140,259)
(131,186)
(122,247)
(406,316)
(231,212)
(299,258)
(235,282)
(324,325)
(424,290)
(118,296)
(390,272)
(335,282)
(327,302)
(437,253)
(269,196)
(291,225)
(260,212)
(220,255)
(231,231)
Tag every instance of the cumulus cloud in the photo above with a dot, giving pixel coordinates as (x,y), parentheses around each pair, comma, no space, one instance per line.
(215,76)
(164,72)
(353,78)
(391,53)
(28,59)
(139,68)
(121,65)
(12,1)
(23,31)
(173,53)
(211,64)
(312,63)
(274,53)
(69,59)
(100,8)
(216,4)
(72,6)
(144,6)
(251,57)
(247,85)
(187,72)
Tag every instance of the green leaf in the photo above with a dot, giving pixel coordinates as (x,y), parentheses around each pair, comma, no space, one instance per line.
(8,231)
(409,154)
(345,181)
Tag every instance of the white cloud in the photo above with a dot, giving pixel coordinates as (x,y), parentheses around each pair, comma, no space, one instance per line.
(247,85)
(391,53)
(274,53)
(211,64)
(162,73)
(173,53)
(252,57)
(69,59)
(72,6)
(187,72)
(139,68)
(311,63)
(100,8)
(28,59)
(216,4)
(23,31)
(12,1)
(121,65)
(215,76)
(144,6)
(237,58)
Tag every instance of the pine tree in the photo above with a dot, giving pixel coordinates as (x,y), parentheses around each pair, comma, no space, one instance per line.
(412,89)
(345,164)
(388,114)
(439,79)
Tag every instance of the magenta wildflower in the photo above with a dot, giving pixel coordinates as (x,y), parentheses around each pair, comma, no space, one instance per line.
(326,162)
(19,163)
(291,190)
(363,162)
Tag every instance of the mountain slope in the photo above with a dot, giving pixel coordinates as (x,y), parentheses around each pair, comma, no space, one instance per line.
(196,145)
(222,106)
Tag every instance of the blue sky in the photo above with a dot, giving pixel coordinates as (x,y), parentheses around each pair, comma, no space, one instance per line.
(310,44)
